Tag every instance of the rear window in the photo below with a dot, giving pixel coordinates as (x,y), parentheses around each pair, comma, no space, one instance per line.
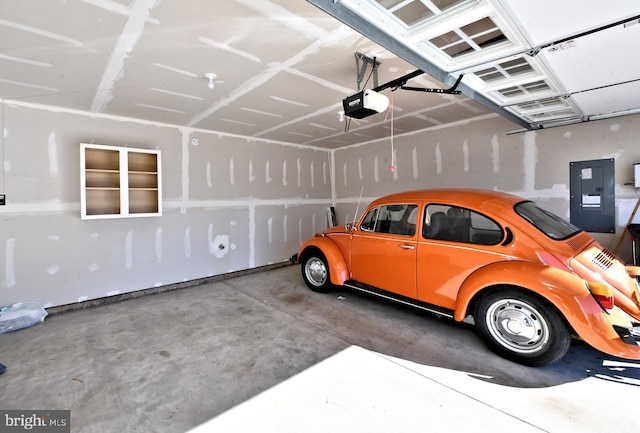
(548,223)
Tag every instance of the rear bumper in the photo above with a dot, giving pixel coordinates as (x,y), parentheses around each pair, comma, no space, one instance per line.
(630,335)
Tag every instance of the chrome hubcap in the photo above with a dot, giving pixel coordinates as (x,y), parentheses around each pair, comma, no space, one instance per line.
(517,325)
(316,271)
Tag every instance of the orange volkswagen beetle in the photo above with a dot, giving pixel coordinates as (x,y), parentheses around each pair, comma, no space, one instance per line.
(530,279)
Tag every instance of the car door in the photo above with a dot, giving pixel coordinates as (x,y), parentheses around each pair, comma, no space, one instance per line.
(383,249)
(454,242)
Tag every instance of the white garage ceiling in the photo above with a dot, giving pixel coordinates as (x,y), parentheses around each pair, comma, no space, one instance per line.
(283,67)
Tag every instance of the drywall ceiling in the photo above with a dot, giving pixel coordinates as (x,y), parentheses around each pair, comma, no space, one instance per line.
(284,67)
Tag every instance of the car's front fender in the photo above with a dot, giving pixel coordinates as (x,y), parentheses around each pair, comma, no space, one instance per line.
(338,269)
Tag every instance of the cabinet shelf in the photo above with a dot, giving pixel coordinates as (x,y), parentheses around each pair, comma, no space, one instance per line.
(102,188)
(119,182)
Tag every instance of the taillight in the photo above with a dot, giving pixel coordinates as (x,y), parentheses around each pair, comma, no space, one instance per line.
(602,293)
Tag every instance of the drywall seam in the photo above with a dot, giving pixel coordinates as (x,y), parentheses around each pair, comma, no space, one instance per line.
(284,17)
(301,237)
(9,263)
(312,175)
(228,48)
(187,242)
(429,129)
(117,8)
(394,167)
(252,236)
(208,175)
(495,153)
(376,169)
(267,172)
(345,173)
(530,159)
(43,33)
(185,167)
(158,244)
(330,109)
(40,208)
(252,176)
(128,250)
(52,153)
(105,116)
(332,178)
(465,155)
(127,40)
(274,69)
(55,207)
(321,81)
(284,173)
(2,136)
(285,232)
(242,203)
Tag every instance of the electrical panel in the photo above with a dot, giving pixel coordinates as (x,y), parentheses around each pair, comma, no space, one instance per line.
(592,193)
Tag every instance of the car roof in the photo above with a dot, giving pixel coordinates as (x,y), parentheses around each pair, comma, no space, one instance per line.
(478,198)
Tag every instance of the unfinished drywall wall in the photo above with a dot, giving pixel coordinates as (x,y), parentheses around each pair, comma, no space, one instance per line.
(229,203)
(480,154)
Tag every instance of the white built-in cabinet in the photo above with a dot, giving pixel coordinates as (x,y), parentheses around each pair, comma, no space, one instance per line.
(119,182)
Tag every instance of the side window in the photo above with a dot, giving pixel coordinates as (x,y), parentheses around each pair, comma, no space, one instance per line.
(369,221)
(456,224)
(397,219)
(484,231)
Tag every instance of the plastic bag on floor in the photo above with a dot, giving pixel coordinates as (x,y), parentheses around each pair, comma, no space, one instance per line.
(21,315)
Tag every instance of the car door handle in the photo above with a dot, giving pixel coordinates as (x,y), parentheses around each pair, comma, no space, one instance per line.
(407,247)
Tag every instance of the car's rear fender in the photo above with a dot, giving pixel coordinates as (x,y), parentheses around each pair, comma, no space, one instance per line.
(338,270)
(565,291)
(562,289)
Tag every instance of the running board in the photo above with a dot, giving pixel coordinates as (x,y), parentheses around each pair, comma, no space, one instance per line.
(399,299)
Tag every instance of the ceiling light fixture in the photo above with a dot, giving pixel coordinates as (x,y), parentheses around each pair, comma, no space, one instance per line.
(211,77)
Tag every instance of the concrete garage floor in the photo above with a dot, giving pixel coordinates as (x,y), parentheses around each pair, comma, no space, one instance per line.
(261,352)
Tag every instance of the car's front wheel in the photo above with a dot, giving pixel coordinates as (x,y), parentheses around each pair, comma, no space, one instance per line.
(521,327)
(315,272)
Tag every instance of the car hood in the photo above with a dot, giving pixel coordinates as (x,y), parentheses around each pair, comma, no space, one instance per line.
(337,229)
(596,263)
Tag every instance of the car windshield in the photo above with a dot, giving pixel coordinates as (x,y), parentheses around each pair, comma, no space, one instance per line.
(548,223)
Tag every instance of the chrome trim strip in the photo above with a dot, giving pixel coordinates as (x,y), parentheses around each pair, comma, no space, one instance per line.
(401,301)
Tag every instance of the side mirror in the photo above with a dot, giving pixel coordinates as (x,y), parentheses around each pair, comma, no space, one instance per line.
(350,227)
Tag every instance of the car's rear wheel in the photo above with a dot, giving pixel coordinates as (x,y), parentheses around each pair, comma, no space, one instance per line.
(521,327)
(315,272)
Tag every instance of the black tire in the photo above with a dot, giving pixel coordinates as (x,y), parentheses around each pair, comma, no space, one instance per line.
(521,327)
(315,272)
